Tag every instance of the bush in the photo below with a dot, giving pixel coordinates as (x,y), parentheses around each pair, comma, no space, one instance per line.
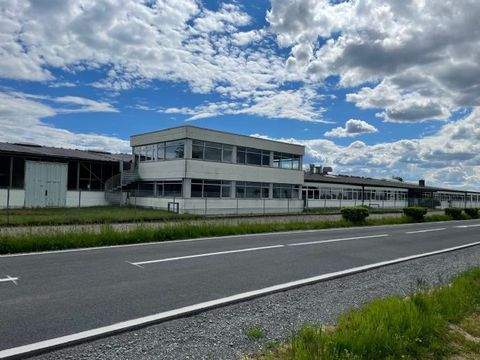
(473,213)
(415,213)
(454,213)
(355,214)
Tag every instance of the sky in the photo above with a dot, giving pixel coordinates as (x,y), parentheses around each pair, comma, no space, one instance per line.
(376,88)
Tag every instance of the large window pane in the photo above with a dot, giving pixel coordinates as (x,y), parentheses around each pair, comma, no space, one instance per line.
(211,190)
(254,157)
(172,189)
(253,191)
(174,149)
(213,153)
(227,153)
(226,191)
(241,155)
(161,151)
(266,159)
(197,151)
(145,189)
(284,191)
(197,190)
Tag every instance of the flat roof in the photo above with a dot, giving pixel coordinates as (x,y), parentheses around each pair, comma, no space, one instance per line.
(48,151)
(366,181)
(191,131)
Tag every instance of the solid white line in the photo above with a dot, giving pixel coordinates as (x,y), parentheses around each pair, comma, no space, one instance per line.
(139,263)
(223,238)
(196,308)
(9,278)
(337,240)
(425,230)
(467,226)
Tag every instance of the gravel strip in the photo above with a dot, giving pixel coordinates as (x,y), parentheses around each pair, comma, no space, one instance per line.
(221,333)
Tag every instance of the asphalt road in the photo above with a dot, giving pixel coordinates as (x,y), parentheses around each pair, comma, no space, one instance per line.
(44,296)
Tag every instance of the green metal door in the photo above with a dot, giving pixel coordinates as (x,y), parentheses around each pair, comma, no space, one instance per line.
(45,184)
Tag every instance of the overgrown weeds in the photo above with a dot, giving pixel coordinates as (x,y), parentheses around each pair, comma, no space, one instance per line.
(415,327)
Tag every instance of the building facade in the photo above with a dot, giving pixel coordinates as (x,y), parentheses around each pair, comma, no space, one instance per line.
(211,171)
(38,176)
(194,170)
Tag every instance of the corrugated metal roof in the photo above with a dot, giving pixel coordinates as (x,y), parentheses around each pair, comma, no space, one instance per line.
(365,181)
(47,151)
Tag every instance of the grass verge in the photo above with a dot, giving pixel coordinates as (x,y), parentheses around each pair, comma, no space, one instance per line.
(87,215)
(439,323)
(107,236)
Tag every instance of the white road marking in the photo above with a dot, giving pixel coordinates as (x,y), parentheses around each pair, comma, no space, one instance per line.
(425,230)
(467,226)
(196,308)
(337,240)
(10,279)
(140,263)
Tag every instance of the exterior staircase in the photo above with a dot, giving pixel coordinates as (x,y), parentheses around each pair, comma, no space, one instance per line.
(115,185)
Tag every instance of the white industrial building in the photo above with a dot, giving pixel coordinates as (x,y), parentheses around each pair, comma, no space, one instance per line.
(211,171)
(194,170)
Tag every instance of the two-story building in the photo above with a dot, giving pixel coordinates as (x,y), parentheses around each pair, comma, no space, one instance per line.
(207,171)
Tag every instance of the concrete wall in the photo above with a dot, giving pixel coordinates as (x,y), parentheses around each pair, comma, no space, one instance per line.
(339,203)
(162,170)
(223,206)
(86,198)
(17,198)
(200,169)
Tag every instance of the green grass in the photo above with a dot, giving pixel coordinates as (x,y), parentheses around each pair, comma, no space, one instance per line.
(415,327)
(107,236)
(254,332)
(89,215)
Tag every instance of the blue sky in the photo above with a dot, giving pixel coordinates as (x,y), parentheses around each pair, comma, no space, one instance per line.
(371,88)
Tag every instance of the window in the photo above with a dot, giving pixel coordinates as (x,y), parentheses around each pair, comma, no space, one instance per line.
(160,151)
(197,149)
(227,152)
(172,188)
(252,190)
(145,189)
(169,188)
(211,151)
(286,191)
(252,156)
(210,188)
(286,161)
(174,149)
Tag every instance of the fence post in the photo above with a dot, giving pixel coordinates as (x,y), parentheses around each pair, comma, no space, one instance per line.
(288,205)
(205,210)
(79,197)
(237,205)
(263,206)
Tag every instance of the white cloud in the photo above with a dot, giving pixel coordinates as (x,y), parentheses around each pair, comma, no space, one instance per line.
(21,120)
(288,104)
(84,105)
(353,127)
(248,37)
(422,55)
(173,40)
